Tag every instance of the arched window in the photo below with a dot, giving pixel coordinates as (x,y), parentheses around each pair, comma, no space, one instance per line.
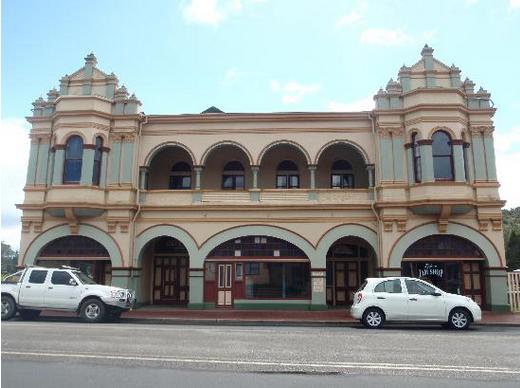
(442,153)
(341,176)
(416,156)
(180,178)
(465,147)
(98,153)
(287,176)
(73,160)
(233,177)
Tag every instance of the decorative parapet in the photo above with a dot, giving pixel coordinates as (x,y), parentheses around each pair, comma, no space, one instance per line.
(391,98)
(89,81)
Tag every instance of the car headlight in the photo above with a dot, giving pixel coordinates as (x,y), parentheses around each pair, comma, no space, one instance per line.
(117,294)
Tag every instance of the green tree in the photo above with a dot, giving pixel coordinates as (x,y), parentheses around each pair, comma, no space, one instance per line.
(9,259)
(513,250)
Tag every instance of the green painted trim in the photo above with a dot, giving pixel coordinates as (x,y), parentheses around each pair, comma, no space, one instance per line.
(397,148)
(386,159)
(339,232)
(170,231)
(115,161)
(128,162)
(458,163)
(87,166)
(305,302)
(409,165)
(50,168)
(201,306)
(426,163)
(253,230)
(318,307)
(490,158)
(313,196)
(63,231)
(500,308)
(104,165)
(479,157)
(59,160)
(493,258)
(271,306)
(33,162)
(43,163)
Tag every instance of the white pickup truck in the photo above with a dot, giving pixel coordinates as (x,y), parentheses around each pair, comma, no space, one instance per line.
(65,289)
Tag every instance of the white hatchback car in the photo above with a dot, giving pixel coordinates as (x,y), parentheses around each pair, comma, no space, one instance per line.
(408,299)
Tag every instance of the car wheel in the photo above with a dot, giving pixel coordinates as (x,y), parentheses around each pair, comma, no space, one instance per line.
(92,310)
(373,318)
(459,319)
(8,308)
(29,315)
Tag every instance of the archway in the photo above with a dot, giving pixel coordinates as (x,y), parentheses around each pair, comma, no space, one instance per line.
(81,252)
(170,168)
(257,270)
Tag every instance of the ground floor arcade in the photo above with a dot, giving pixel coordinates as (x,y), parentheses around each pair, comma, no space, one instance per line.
(270,267)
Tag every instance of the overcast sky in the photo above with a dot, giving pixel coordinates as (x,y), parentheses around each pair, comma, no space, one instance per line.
(251,56)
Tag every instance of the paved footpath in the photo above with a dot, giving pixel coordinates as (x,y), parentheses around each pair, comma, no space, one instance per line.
(333,317)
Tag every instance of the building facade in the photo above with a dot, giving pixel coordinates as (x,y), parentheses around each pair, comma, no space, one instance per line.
(277,210)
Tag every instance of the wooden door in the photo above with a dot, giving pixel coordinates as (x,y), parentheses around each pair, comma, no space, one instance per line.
(472,280)
(345,281)
(225,285)
(170,280)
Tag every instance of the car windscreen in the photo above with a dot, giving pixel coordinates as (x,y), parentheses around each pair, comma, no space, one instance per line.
(84,278)
(13,279)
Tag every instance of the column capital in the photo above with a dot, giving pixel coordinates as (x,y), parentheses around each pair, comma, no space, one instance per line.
(312,167)
(370,167)
(198,168)
(255,167)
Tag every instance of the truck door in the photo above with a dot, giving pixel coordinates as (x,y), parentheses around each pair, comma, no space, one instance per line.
(33,289)
(60,293)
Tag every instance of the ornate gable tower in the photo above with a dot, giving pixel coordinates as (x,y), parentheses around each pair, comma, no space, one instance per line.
(82,138)
(436,160)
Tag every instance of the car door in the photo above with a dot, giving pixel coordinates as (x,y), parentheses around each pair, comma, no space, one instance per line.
(61,294)
(32,291)
(422,304)
(390,297)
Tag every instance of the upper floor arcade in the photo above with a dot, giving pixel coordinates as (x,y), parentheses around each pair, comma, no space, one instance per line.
(427,142)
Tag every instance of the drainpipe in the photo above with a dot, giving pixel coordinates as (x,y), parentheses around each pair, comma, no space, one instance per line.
(373,202)
(143,120)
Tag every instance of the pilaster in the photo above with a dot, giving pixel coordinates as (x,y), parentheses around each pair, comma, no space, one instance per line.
(458,160)
(59,159)
(426,160)
(87,166)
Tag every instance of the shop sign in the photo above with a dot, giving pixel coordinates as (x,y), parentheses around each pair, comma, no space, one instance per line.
(430,269)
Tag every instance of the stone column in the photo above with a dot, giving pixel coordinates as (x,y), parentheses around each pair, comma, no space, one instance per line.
(397,150)
(143,177)
(115,161)
(254,170)
(33,161)
(318,289)
(370,170)
(198,176)
(127,160)
(489,149)
(196,280)
(385,152)
(425,148)
(468,162)
(87,165)
(43,162)
(410,163)
(104,167)
(59,159)
(312,171)
(458,160)
(479,158)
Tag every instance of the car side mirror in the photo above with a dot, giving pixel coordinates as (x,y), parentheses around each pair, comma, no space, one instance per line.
(436,293)
(72,282)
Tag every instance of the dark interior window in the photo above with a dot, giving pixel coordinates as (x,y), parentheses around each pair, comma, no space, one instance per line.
(287,176)
(60,277)
(37,277)
(416,155)
(341,176)
(98,153)
(233,177)
(181,177)
(442,156)
(73,160)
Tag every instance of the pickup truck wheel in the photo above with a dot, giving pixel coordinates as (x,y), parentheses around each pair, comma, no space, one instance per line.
(8,307)
(92,310)
(29,315)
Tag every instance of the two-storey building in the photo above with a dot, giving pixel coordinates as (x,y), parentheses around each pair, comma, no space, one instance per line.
(276,210)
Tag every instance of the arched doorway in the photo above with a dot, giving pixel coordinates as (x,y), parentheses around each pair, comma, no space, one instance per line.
(350,260)
(452,263)
(81,252)
(256,269)
(165,273)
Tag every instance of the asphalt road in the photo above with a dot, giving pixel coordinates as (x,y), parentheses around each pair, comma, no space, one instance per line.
(55,354)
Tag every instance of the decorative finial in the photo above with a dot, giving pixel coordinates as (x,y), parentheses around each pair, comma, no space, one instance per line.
(91,59)
(427,51)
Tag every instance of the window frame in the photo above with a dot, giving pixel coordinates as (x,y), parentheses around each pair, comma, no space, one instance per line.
(416,158)
(59,273)
(98,156)
(440,156)
(67,160)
